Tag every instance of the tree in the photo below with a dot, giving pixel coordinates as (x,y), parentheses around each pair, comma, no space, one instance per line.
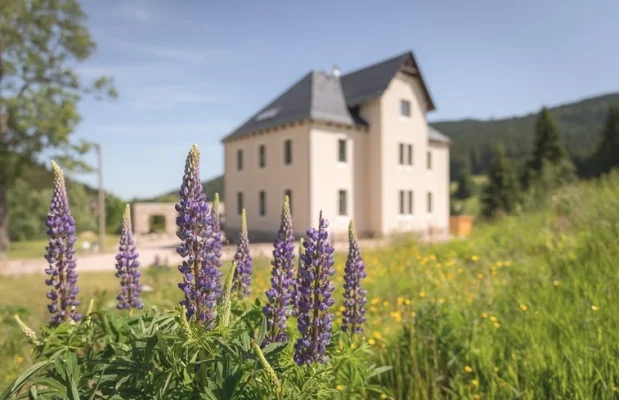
(606,156)
(548,152)
(465,185)
(40,42)
(500,195)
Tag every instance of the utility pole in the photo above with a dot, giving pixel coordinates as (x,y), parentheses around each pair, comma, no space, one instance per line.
(101,202)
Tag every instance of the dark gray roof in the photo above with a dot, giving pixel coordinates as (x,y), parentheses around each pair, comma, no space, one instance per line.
(319,95)
(435,135)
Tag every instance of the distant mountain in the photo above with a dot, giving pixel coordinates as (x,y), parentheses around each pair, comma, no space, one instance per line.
(580,124)
(212,186)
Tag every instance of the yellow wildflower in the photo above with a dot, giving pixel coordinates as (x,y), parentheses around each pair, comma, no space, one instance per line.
(375,300)
(383,396)
(496,325)
(508,263)
(556,282)
(476,396)
(474,258)
(480,276)
(460,270)
(372,342)
(19,359)
(377,335)
(342,308)
(484,315)
(396,316)
(595,308)
(400,301)
(468,369)
(407,302)
(496,369)
(493,319)
(413,314)
(372,309)
(475,382)
(385,303)
(441,301)
(340,388)
(422,294)
(524,307)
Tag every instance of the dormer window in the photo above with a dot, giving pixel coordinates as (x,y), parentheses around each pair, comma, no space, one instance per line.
(405,108)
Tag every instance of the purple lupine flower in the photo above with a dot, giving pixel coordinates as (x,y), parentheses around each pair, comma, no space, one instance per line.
(242,275)
(217,245)
(295,291)
(314,289)
(281,294)
(61,255)
(200,275)
(354,295)
(127,267)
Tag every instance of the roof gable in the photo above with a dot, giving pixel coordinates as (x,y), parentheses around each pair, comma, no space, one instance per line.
(369,83)
(323,96)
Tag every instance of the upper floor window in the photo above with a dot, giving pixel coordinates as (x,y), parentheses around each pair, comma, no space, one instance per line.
(429,202)
(239,160)
(429,161)
(239,203)
(405,108)
(288,193)
(288,152)
(262,156)
(410,154)
(410,202)
(401,157)
(341,150)
(342,203)
(406,154)
(262,203)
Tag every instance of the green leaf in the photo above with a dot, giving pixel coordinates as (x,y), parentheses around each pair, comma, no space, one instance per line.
(21,380)
(33,394)
(263,330)
(73,391)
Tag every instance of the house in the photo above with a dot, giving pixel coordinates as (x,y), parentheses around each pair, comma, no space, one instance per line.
(354,146)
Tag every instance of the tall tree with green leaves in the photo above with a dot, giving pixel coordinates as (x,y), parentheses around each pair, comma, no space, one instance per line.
(41,42)
(606,156)
(500,195)
(549,156)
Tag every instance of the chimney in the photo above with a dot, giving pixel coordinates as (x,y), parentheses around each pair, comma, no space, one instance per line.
(335,71)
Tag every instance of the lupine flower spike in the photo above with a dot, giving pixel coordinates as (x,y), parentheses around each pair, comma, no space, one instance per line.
(127,267)
(295,291)
(315,288)
(354,296)
(217,245)
(200,275)
(243,272)
(280,295)
(61,255)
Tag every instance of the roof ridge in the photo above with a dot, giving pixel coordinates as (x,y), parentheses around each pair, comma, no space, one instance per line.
(387,60)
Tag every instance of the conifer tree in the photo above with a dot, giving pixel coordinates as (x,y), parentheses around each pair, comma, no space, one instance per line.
(607,155)
(500,196)
(549,156)
(465,184)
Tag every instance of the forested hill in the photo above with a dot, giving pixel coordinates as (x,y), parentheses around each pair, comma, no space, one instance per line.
(580,124)
(212,186)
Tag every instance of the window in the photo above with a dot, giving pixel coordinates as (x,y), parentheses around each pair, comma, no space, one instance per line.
(342,203)
(405,108)
(410,202)
(288,152)
(429,162)
(429,202)
(341,150)
(239,160)
(239,203)
(410,154)
(401,202)
(262,203)
(288,193)
(401,153)
(262,155)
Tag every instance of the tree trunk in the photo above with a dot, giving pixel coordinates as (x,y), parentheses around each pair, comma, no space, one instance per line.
(4,217)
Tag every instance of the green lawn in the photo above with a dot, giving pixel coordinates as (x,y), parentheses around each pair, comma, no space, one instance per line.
(36,248)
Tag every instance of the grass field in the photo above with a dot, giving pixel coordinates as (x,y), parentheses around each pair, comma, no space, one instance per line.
(36,248)
(526,308)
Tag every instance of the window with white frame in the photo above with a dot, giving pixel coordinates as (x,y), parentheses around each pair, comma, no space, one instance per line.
(341,150)
(405,108)
(262,156)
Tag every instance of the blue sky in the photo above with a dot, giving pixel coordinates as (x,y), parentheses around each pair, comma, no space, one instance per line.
(190,71)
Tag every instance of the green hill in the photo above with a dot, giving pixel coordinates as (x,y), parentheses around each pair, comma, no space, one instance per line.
(580,124)
(212,186)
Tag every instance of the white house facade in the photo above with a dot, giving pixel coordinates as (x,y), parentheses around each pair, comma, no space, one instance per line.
(356,146)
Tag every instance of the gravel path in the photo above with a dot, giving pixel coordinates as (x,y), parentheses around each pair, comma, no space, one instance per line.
(149,249)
